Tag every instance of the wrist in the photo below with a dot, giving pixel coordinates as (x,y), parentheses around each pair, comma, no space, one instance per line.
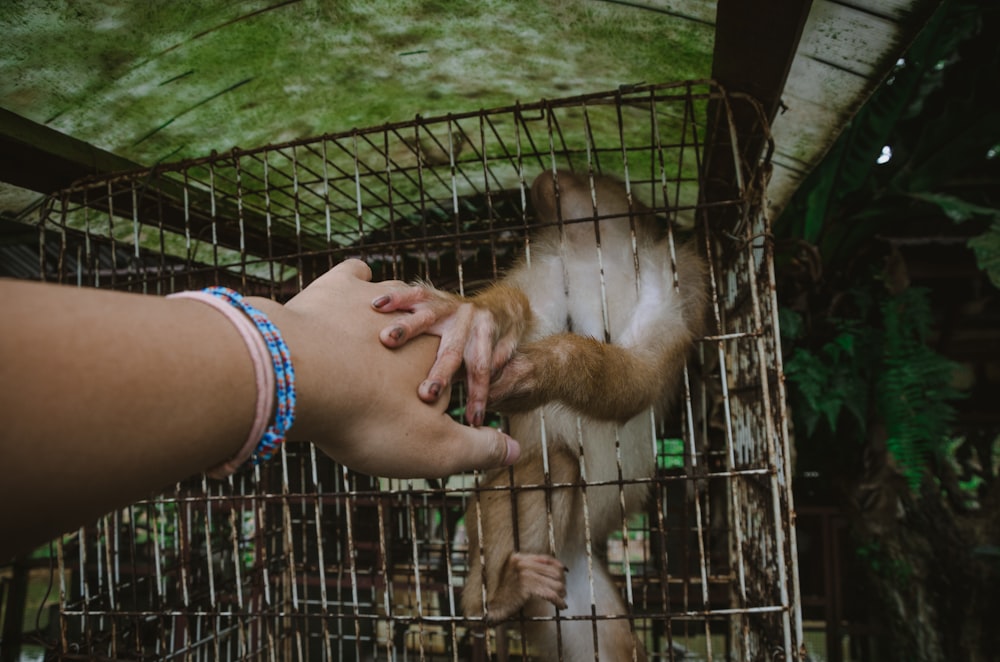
(274,375)
(312,407)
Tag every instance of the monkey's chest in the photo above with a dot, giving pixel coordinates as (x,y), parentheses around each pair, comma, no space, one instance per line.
(597,310)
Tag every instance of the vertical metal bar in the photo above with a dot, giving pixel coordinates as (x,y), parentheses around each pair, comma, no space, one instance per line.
(460,270)
(550,529)
(352,564)
(135,240)
(447,537)
(490,212)
(397,261)
(63,596)
(298,217)
(209,554)
(154,530)
(785,437)
(417,584)
(268,221)
(692,449)
(86,228)
(43,221)
(630,600)
(658,163)
(388,592)
(111,238)
(769,427)
(290,603)
(588,538)
(523,187)
(324,604)
(215,220)
(240,219)
(188,252)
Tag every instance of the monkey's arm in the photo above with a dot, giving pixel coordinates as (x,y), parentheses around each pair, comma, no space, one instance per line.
(603,381)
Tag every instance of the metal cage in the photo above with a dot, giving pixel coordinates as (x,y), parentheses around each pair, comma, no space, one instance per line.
(302,559)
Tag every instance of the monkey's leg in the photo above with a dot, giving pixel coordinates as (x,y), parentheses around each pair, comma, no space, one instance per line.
(512,569)
(577,640)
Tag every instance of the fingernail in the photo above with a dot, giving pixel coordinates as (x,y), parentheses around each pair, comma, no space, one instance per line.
(435,389)
(396,333)
(381,301)
(513,450)
(478,416)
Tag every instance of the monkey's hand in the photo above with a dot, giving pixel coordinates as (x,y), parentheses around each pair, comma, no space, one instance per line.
(518,387)
(526,576)
(482,332)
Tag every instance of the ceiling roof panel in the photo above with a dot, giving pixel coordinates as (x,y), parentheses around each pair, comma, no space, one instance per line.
(160,81)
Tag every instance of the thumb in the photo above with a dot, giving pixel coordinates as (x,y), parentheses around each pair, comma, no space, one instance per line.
(353,267)
(466,448)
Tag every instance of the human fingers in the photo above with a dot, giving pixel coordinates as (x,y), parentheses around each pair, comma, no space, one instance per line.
(464,448)
(352,267)
(345,282)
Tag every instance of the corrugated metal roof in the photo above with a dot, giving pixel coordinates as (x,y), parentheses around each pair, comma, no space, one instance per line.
(163,81)
(846,50)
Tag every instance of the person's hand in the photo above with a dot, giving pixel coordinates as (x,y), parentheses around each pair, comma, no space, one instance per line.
(482,333)
(356,397)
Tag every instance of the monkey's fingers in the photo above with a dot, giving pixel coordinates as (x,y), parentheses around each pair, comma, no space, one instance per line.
(428,308)
(480,359)
(403,328)
(454,332)
(542,576)
(406,298)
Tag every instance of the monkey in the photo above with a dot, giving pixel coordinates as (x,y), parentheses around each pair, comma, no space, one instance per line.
(584,336)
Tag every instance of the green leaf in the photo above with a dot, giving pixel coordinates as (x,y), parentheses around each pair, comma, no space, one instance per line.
(987,249)
(955,208)
(790,323)
(959,136)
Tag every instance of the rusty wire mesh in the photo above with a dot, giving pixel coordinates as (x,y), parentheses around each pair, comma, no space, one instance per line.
(301,559)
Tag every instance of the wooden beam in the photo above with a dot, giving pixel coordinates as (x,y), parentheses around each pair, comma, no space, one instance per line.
(755,43)
(44,160)
(41,159)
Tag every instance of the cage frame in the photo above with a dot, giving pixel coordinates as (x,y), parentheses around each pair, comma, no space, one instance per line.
(733,229)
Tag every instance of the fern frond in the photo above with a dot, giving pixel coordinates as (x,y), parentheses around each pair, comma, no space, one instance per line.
(915,385)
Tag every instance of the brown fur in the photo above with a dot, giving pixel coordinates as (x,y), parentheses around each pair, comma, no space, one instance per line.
(610,376)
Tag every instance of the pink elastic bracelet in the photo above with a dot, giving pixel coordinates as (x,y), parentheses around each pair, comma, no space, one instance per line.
(263,375)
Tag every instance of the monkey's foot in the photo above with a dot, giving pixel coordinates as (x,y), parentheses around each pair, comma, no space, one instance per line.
(527,576)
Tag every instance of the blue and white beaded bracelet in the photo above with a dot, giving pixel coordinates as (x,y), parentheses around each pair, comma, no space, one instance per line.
(254,326)
(284,373)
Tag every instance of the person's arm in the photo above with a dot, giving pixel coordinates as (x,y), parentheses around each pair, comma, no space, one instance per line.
(107,397)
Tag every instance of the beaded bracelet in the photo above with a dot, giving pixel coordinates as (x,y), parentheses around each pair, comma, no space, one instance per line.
(263,341)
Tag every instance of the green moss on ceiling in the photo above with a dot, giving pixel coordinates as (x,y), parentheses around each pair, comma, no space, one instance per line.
(159,81)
